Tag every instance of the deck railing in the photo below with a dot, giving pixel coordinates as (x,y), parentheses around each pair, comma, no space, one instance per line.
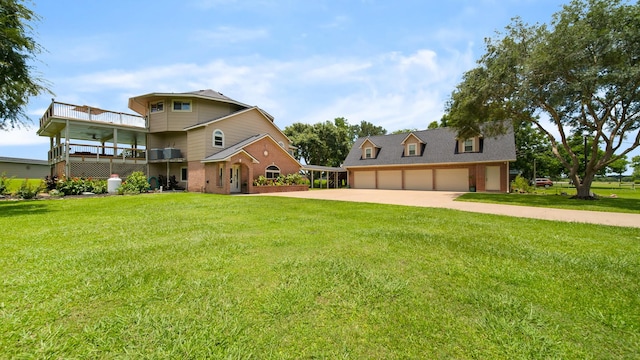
(96,151)
(87,113)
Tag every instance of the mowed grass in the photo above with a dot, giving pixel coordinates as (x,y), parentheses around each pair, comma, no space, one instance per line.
(612,198)
(205,276)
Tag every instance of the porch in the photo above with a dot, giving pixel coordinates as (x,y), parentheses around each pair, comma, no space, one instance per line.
(92,142)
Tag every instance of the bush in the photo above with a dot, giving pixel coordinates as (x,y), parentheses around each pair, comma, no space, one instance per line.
(135,183)
(29,191)
(290,179)
(520,184)
(78,186)
(4,183)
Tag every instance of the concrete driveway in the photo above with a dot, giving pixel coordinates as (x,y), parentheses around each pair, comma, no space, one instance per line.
(445,199)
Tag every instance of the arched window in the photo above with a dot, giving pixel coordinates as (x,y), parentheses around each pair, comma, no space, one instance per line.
(218,138)
(272,172)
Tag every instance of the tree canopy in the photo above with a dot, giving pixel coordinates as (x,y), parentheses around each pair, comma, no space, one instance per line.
(328,143)
(18,49)
(578,76)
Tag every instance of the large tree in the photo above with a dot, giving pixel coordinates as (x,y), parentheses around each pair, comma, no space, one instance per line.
(579,75)
(324,143)
(18,50)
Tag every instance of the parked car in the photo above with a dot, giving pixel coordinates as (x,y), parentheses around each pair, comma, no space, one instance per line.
(546,182)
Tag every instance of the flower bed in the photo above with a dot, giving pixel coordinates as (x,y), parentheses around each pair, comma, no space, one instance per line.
(265,189)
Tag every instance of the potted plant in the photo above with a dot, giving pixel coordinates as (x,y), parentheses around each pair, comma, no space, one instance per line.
(472,183)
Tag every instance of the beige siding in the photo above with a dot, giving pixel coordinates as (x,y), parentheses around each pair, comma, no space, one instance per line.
(364,179)
(196,144)
(390,179)
(452,179)
(177,140)
(239,128)
(418,179)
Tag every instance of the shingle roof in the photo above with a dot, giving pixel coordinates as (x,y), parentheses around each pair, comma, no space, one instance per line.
(233,149)
(440,148)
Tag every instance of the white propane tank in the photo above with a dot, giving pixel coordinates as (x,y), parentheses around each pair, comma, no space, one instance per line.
(113,183)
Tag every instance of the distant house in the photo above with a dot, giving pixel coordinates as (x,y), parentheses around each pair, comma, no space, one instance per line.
(431,160)
(23,168)
(203,140)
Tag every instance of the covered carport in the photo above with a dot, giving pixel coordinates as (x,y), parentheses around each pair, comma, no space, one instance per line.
(333,173)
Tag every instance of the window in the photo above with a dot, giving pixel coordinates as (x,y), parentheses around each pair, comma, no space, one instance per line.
(468,145)
(157,107)
(272,172)
(220,173)
(218,138)
(183,174)
(281,144)
(181,105)
(368,153)
(411,150)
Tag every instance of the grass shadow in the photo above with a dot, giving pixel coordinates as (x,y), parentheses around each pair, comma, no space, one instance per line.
(22,207)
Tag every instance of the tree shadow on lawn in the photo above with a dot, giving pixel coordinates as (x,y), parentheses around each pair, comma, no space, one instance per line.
(21,207)
(558,201)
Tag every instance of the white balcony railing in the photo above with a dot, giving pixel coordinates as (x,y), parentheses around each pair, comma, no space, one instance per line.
(87,113)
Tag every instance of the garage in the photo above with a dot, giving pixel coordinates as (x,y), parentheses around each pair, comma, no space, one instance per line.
(452,179)
(364,179)
(418,179)
(390,179)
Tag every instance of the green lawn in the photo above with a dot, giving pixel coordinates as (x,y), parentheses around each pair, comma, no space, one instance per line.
(612,198)
(187,275)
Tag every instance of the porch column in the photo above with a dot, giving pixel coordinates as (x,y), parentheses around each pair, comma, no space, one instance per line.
(67,166)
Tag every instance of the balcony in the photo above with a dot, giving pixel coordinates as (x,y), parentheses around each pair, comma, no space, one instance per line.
(59,110)
(97,153)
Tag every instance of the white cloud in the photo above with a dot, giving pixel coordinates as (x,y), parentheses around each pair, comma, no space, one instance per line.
(230,35)
(394,90)
(21,137)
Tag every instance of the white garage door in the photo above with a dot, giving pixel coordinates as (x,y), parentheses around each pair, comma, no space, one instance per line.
(418,179)
(364,179)
(452,179)
(390,179)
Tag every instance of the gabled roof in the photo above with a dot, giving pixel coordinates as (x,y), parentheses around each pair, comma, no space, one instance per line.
(367,139)
(440,148)
(139,103)
(238,148)
(223,117)
(235,149)
(411,134)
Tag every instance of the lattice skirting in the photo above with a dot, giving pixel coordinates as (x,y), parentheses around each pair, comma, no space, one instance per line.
(104,170)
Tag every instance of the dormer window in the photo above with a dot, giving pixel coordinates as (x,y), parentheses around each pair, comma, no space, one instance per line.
(468,145)
(412,149)
(368,153)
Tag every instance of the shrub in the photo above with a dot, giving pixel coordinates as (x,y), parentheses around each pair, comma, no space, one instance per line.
(520,184)
(4,183)
(77,186)
(134,184)
(290,179)
(29,191)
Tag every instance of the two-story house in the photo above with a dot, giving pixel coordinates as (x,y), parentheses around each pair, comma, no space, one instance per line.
(204,140)
(431,160)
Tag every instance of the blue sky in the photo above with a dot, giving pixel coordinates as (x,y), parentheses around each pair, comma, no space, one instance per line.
(391,63)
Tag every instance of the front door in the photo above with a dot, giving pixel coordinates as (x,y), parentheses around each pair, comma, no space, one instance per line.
(234,175)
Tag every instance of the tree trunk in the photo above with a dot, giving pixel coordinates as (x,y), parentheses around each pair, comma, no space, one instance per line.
(584,189)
